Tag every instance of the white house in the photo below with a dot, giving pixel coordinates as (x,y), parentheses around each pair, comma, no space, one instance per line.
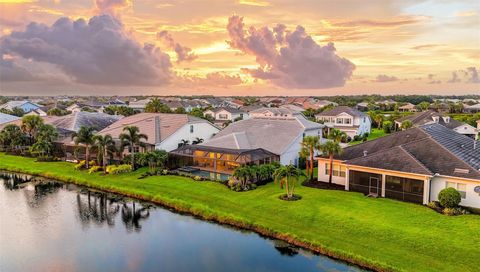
(225,114)
(26,106)
(413,165)
(279,134)
(431,117)
(346,119)
(165,131)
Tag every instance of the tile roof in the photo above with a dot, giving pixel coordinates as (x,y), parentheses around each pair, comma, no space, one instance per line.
(342,109)
(157,126)
(426,117)
(426,150)
(76,120)
(274,135)
(16,103)
(229,109)
(5,118)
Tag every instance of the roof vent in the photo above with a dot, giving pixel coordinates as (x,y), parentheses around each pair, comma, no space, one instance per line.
(365,153)
(461,171)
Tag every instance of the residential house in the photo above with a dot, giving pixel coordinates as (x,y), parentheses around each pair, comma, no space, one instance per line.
(293,107)
(7,118)
(139,105)
(412,165)
(363,106)
(38,112)
(409,107)
(266,138)
(225,114)
(165,131)
(473,108)
(272,113)
(430,117)
(25,105)
(351,121)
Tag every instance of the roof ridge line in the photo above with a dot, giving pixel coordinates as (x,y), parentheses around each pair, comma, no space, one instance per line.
(415,159)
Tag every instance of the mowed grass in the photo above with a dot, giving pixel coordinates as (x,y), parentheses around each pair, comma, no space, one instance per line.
(381,233)
(375,133)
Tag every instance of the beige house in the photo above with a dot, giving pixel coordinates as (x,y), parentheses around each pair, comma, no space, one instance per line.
(412,165)
(409,107)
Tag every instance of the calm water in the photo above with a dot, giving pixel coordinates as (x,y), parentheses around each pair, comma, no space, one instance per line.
(51,226)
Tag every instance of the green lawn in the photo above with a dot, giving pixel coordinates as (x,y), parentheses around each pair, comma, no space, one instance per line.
(375,133)
(383,233)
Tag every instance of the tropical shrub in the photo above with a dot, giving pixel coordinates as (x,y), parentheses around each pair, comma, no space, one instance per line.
(197,178)
(387,127)
(80,165)
(449,198)
(94,169)
(117,169)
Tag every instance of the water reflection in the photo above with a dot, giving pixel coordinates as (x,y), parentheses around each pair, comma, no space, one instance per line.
(96,208)
(11,181)
(131,216)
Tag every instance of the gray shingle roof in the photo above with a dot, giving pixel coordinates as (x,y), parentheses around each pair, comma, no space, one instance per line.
(342,109)
(74,121)
(426,150)
(274,135)
(426,117)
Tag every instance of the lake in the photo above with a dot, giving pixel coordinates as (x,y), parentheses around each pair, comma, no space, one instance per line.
(52,226)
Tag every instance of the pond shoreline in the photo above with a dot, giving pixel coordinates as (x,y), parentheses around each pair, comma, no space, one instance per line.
(364,264)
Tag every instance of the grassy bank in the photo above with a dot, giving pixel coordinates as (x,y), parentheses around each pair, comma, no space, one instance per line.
(379,233)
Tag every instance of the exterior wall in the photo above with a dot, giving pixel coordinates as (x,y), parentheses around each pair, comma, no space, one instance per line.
(324,177)
(364,124)
(472,199)
(290,155)
(201,130)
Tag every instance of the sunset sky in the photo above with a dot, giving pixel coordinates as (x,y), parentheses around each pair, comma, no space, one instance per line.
(243,47)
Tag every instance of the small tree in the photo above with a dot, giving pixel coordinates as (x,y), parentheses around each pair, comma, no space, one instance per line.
(330,149)
(132,138)
(407,124)
(12,136)
(287,176)
(31,125)
(85,136)
(155,105)
(449,198)
(387,126)
(309,144)
(105,146)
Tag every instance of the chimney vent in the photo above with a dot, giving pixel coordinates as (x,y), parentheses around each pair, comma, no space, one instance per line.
(365,153)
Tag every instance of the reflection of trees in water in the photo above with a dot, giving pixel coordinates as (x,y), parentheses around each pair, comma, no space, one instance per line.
(40,191)
(132,215)
(12,180)
(96,208)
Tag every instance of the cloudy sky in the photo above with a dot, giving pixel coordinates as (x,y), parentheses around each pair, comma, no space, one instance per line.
(239,47)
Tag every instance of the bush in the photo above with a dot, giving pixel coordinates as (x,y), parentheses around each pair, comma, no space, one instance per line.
(122,168)
(93,169)
(197,178)
(80,165)
(164,172)
(449,198)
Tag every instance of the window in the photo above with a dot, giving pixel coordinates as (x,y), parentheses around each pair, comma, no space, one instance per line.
(191,128)
(460,187)
(338,170)
(223,116)
(348,121)
(339,120)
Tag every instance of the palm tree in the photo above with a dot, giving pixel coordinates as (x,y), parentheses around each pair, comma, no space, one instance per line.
(183,142)
(309,144)
(132,138)
(243,174)
(105,146)
(85,136)
(30,125)
(155,105)
(12,136)
(43,148)
(287,176)
(154,159)
(337,135)
(330,149)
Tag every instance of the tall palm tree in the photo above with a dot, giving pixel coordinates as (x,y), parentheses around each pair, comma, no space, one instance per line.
(105,146)
(197,141)
(30,125)
(132,138)
(155,105)
(309,144)
(330,149)
(287,176)
(85,136)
